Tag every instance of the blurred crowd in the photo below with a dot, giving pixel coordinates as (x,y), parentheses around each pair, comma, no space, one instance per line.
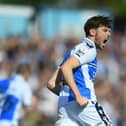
(44,56)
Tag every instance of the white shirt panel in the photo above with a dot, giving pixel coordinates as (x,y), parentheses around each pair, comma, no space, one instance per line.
(84,53)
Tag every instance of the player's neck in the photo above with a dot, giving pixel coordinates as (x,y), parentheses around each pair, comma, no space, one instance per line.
(91,38)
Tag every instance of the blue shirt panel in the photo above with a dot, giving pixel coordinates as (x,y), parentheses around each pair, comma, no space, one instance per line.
(67,55)
(4,84)
(92,68)
(80,81)
(9,107)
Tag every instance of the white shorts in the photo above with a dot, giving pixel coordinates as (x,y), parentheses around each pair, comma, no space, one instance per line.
(72,114)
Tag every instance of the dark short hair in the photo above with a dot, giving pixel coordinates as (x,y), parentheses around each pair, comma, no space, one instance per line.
(97,21)
(22,68)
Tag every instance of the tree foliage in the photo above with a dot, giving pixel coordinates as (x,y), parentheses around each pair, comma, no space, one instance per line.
(117,6)
(29,2)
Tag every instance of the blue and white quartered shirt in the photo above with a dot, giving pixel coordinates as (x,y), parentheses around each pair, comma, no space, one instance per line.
(84,75)
(17,94)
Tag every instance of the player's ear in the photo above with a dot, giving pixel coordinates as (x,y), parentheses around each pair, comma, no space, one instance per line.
(92,32)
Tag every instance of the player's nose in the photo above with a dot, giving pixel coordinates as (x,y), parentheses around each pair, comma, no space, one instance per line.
(108,33)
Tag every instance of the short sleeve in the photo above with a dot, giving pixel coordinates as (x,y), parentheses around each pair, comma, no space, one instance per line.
(84,53)
(27,100)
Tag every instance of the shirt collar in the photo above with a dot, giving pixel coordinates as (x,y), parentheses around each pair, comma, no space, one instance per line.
(89,40)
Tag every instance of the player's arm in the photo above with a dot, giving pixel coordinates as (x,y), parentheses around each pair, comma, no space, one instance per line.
(29,107)
(28,99)
(77,59)
(67,70)
(54,82)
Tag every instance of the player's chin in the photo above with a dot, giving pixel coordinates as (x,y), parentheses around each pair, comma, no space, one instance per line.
(100,47)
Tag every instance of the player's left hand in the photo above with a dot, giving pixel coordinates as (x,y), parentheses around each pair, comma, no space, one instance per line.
(82,101)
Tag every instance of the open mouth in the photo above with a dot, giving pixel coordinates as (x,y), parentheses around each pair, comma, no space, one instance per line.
(105,41)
